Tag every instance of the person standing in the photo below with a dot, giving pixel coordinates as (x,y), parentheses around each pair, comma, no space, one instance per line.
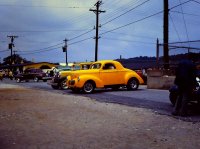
(10,75)
(1,75)
(186,81)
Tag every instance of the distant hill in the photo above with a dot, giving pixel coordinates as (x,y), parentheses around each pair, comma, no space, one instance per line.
(145,62)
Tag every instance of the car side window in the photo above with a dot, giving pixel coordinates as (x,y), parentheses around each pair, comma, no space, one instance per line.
(96,66)
(85,67)
(109,66)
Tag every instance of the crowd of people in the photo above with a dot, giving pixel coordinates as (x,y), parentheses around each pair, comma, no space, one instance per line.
(6,74)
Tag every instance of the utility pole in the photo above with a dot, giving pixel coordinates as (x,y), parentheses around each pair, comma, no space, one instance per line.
(157,52)
(11,45)
(97,12)
(65,49)
(166,34)
(14,59)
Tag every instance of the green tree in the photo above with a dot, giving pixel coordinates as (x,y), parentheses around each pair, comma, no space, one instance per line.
(15,59)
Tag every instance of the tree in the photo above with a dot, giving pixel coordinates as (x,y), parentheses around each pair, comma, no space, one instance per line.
(15,59)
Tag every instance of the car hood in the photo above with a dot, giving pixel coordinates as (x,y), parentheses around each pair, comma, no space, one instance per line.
(77,73)
(88,71)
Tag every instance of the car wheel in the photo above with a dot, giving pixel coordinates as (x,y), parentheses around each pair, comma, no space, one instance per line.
(18,80)
(36,79)
(63,85)
(133,84)
(88,87)
(55,87)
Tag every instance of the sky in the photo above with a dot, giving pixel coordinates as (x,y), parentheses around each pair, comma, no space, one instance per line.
(128,28)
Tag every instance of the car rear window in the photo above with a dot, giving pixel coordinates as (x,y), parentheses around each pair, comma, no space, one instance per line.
(96,66)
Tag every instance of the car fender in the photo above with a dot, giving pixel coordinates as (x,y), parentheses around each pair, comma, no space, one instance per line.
(85,78)
(133,74)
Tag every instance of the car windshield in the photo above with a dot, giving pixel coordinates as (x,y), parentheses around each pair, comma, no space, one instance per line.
(65,69)
(62,68)
(76,67)
(96,66)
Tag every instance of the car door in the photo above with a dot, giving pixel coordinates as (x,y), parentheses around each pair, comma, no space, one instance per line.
(31,74)
(26,75)
(108,74)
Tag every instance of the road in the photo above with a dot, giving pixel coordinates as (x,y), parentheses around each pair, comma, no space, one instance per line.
(36,116)
(153,99)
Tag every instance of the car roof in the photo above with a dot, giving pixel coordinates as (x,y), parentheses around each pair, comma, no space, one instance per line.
(118,64)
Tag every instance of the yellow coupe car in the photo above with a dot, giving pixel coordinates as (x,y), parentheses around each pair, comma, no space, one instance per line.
(104,74)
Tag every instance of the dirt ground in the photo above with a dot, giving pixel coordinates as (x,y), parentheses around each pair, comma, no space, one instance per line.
(33,119)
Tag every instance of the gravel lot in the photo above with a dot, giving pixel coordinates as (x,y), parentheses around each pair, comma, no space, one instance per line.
(32,119)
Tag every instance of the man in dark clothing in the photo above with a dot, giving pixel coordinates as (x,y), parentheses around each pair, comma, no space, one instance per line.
(186,82)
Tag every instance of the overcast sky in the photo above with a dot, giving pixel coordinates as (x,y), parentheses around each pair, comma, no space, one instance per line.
(128,28)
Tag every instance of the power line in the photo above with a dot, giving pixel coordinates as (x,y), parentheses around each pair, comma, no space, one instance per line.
(131,3)
(184,23)
(132,22)
(81,40)
(175,27)
(144,18)
(43,6)
(4,50)
(50,46)
(183,3)
(139,36)
(43,49)
(196,1)
(37,31)
(127,40)
(81,34)
(125,12)
(184,47)
(195,15)
(40,51)
(55,46)
(193,41)
(81,17)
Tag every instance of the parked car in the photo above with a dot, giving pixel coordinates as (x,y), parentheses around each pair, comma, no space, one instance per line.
(31,74)
(59,79)
(104,74)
